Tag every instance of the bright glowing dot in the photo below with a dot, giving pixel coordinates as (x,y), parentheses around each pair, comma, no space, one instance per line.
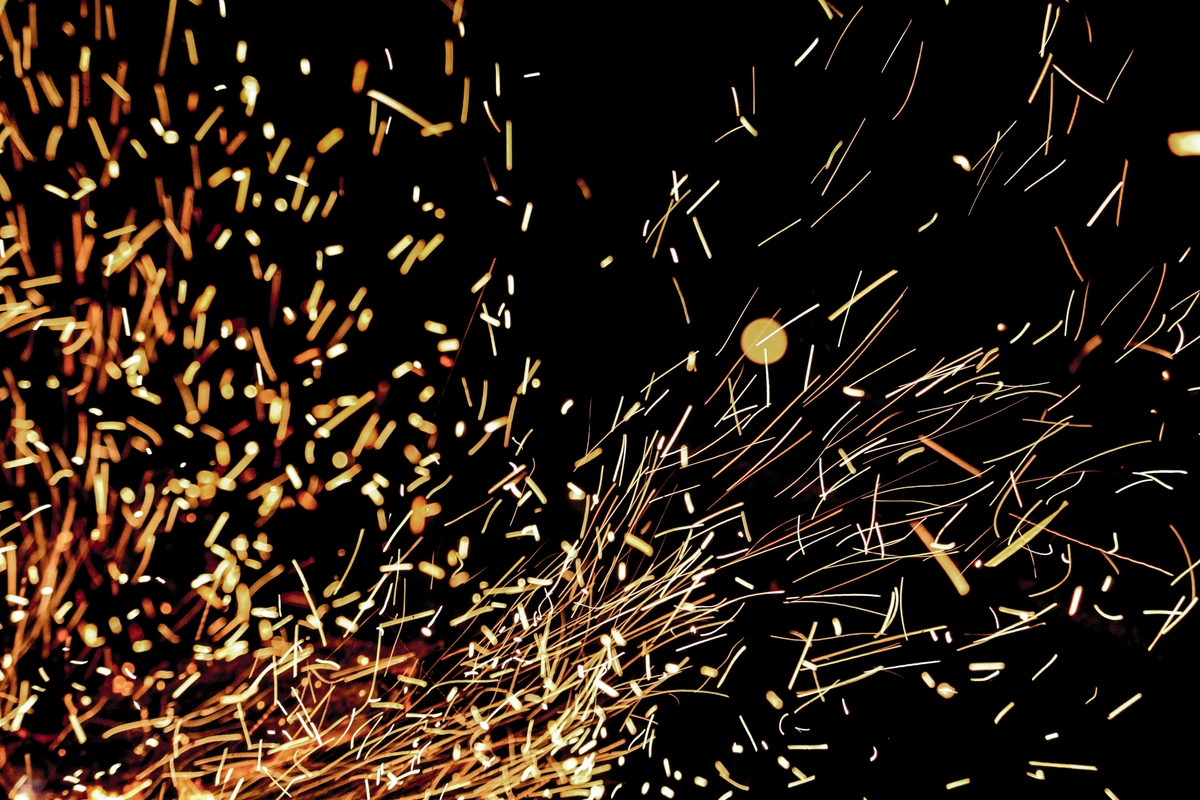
(962,162)
(305,67)
(1184,143)
(1000,326)
(763,341)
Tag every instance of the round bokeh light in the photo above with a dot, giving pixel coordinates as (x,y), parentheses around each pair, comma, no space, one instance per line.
(764,341)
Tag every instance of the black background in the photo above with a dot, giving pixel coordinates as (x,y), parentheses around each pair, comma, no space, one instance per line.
(629,92)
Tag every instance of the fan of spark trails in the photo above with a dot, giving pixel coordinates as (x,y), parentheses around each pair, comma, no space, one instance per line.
(170,630)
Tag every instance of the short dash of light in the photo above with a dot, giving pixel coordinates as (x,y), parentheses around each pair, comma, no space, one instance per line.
(1104,205)
(700,233)
(1124,705)
(804,55)
(1076,596)
(329,140)
(1056,765)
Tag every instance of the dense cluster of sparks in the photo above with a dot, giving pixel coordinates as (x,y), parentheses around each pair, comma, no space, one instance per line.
(143,414)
